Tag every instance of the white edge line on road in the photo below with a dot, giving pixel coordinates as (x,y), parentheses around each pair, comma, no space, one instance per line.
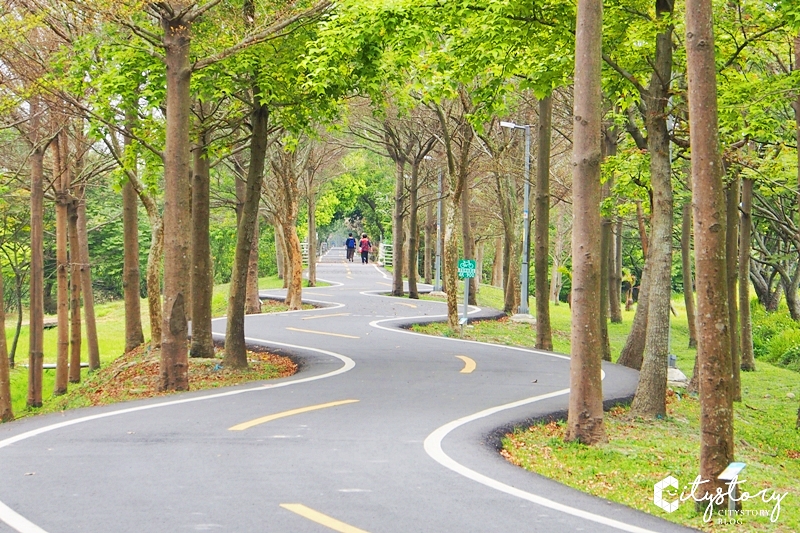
(433,443)
(433,447)
(23,525)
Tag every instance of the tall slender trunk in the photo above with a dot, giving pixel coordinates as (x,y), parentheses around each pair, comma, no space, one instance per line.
(6,412)
(131,275)
(153,269)
(642,228)
(252,301)
(745,221)
(615,274)
(468,240)
(479,251)
(632,353)
(686,267)
(585,418)
(174,366)
(497,264)
(609,146)
(36,350)
(650,400)
(280,254)
(398,239)
(61,180)
(312,240)
(74,297)
(294,292)
(732,254)
(202,344)
(450,262)
(235,349)
(86,280)
(18,329)
(541,217)
(430,246)
(713,340)
(413,231)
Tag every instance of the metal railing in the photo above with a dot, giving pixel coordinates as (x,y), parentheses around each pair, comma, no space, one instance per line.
(385,254)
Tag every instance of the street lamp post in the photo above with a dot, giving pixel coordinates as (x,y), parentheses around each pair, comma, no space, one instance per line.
(526,227)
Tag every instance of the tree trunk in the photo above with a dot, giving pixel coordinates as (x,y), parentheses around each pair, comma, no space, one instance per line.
(86,281)
(398,239)
(60,185)
(713,340)
(131,275)
(450,263)
(6,412)
(609,146)
(732,254)
(174,365)
(430,246)
(252,301)
(74,297)
(650,400)
(202,344)
(153,272)
(18,330)
(235,348)
(280,253)
(468,240)
(312,241)
(479,251)
(294,291)
(497,264)
(745,221)
(541,217)
(615,274)
(36,351)
(632,353)
(686,267)
(585,418)
(642,228)
(413,231)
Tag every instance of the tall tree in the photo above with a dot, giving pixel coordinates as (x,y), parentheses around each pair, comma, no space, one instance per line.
(651,394)
(541,217)
(713,341)
(745,236)
(585,418)
(131,275)
(6,413)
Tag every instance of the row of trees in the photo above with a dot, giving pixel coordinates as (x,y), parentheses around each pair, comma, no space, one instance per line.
(177,89)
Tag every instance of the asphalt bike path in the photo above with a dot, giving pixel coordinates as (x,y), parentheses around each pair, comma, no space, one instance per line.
(381,430)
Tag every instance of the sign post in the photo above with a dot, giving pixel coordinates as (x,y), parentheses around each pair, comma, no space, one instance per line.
(466,271)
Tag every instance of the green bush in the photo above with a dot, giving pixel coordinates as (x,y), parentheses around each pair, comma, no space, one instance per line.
(791,358)
(781,343)
(767,327)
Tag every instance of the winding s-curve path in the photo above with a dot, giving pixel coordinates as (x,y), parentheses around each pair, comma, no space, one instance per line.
(381,431)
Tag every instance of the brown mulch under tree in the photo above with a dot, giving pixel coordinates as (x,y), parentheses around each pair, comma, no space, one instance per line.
(135,376)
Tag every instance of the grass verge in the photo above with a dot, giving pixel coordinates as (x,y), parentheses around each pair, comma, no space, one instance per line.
(640,453)
(111,340)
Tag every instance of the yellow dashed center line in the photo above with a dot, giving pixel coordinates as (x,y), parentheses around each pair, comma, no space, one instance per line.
(284,414)
(323,333)
(407,305)
(382,283)
(325,316)
(319,518)
(469,364)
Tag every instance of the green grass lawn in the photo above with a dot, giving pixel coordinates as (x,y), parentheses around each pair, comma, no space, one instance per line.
(640,453)
(111,339)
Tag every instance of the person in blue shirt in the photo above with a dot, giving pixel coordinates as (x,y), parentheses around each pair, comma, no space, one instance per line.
(350,243)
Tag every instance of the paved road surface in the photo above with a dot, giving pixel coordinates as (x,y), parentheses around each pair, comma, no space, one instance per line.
(381,431)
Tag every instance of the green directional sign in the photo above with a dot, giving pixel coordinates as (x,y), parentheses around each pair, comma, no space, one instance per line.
(466,268)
